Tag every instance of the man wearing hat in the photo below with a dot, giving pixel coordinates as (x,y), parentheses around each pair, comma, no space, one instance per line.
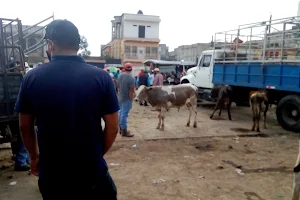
(158,78)
(67,99)
(126,94)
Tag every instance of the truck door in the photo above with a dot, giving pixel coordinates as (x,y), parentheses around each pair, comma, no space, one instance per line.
(204,79)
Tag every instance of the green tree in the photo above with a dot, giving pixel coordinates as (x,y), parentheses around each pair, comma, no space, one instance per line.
(83,47)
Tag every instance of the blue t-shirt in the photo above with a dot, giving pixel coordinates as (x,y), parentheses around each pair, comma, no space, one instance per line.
(68,99)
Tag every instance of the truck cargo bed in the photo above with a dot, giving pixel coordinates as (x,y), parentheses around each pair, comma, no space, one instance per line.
(279,76)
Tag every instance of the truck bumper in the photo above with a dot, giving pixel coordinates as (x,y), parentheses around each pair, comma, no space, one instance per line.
(205,94)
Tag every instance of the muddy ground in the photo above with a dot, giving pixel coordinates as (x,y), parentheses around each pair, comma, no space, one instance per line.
(218,160)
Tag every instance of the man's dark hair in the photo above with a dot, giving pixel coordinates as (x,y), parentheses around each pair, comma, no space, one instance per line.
(64,34)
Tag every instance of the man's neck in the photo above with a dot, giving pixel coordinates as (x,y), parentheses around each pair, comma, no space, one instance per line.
(65,53)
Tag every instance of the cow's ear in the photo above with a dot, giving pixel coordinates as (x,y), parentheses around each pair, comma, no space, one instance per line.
(149,88)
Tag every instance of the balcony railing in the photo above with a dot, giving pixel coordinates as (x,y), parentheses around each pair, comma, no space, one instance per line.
(151,56)
(131,55)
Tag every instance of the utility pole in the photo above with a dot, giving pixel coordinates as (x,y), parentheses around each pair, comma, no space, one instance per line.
(270,23)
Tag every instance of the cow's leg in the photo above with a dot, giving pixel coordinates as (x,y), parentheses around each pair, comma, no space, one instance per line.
(221,107)
(159,120)
(195,117)
(228,109)
(254,117)
(258,120)
(190,114)
(162,116)
(216,107)
(265,114)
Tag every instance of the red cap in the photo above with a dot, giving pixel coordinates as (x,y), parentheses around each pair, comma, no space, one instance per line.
(128,66)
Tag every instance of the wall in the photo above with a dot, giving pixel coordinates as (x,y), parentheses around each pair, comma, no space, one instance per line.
(190,52)
(116,49)
(130,31)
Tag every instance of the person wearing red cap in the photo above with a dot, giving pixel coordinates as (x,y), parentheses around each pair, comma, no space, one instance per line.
(126,94)
(67,99)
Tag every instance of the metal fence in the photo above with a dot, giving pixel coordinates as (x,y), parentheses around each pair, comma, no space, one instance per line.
(268,41)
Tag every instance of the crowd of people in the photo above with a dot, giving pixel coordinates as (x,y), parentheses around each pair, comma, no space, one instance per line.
(145,77)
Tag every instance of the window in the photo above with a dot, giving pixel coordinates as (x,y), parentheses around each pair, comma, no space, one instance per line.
(148,50)
(206,61)
(127,51)
(134,51)
(141,31)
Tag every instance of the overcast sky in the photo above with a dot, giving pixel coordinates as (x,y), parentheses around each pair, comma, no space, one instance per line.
(182,22)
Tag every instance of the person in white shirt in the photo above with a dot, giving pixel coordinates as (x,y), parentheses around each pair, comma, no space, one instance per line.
(151,77)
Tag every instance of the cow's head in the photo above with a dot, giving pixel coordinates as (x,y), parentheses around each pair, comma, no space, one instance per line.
(141,93)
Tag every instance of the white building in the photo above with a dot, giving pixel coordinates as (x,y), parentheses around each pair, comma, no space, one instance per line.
(135,38)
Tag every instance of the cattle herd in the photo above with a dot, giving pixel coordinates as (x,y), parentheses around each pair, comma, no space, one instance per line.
(162,98)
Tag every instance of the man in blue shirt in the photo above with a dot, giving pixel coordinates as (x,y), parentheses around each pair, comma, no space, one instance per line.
(67,98)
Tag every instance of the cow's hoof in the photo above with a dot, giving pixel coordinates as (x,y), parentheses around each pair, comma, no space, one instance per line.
(230,119)
(210,117)
(252,129)
(188,124)
(258,130)
(162,128)
(158,127)
(195,125)
(265,127)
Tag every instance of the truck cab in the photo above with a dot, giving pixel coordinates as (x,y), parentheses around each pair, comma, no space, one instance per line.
(202,75)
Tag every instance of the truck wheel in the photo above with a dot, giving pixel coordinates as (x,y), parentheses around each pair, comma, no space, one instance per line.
(184,81)
(288,113)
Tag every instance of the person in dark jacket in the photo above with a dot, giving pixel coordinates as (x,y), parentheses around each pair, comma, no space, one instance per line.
(143,79)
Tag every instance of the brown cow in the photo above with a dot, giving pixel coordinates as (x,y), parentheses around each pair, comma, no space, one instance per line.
(165,97)
(256,99)
(225,96)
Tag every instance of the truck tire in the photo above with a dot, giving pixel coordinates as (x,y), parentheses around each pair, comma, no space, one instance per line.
(288,113)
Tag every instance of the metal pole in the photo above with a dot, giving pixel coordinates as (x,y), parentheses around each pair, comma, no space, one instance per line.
(265,43)
(30,27)
(236,44)
(250,39)
(282,41)
(12,40)
(11,21)
(270,22)
(2,52)
(37,47)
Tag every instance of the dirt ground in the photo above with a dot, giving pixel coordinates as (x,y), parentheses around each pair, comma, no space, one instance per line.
(220,159)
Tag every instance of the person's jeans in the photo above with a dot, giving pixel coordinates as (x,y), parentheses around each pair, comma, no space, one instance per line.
(22,155)
(123,113)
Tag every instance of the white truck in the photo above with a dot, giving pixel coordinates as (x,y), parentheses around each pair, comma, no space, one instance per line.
(202,75)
